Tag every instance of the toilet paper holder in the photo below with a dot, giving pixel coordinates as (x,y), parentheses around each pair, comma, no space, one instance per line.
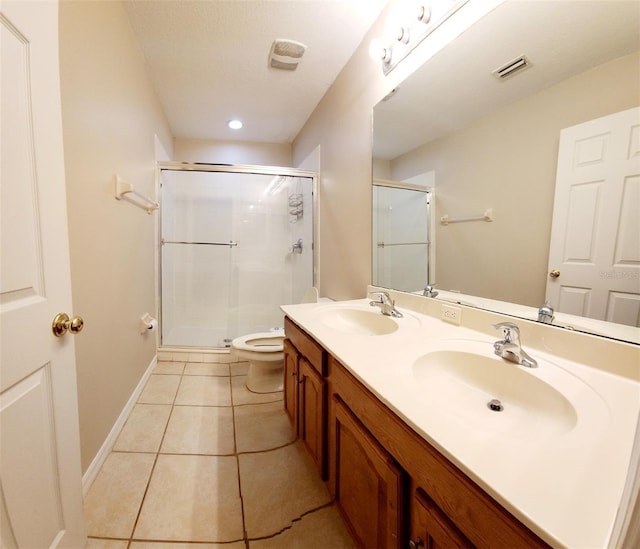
(147,323)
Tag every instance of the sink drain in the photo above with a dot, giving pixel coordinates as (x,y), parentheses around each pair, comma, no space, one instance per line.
(495,405)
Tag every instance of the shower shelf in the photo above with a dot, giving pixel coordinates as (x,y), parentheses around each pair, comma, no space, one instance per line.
(231,243)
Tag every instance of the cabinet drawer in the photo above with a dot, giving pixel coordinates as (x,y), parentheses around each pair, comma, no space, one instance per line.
(306,345)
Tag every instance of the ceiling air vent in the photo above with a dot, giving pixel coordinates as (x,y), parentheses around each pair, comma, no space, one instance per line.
(512,67)
(285,54)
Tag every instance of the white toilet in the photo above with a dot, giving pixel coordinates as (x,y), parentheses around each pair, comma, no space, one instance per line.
(264,353)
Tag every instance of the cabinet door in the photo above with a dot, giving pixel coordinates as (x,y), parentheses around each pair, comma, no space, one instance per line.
(290,384)
(369,484)
(431,528)
(312,412)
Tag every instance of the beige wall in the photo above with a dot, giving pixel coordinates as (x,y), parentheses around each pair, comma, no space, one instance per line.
(507,161)
(232,152)
(110,116)
(341,127)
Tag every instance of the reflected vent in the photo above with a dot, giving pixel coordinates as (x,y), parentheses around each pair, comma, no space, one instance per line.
(512,67)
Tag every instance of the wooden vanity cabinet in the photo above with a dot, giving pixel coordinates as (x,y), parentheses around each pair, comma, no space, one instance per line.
(305,391)
(290,382)
(431,528)
(369,484)
(392,487)
(444,507)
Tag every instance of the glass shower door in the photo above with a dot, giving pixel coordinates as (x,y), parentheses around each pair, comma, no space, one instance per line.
(228,260)
(400,238)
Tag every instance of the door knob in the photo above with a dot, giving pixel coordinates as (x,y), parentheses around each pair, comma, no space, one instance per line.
(554,274)
(61,323)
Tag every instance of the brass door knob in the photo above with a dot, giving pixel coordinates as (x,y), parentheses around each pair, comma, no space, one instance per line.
(61,323)
(554,274)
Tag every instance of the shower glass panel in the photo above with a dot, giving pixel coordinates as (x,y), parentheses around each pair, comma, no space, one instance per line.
(228,259)
(400,238)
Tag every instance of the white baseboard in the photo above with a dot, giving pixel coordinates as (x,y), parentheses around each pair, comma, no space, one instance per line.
(105,449)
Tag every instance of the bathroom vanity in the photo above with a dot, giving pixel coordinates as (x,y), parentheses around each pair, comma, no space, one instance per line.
(412,468)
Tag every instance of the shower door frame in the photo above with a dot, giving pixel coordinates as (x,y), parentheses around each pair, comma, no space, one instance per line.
(226,168)
(431,237)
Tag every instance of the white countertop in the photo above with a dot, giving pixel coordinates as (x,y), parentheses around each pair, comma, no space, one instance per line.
(565,486)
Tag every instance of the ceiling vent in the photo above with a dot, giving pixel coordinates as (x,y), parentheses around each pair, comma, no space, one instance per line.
(512,67)
(285,54)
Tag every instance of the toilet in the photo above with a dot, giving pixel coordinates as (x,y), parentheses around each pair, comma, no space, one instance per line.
(265,355)
(263,351)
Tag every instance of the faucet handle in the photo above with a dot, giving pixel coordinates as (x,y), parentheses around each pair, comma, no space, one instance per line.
(510,331)
(384,296)
(430,291)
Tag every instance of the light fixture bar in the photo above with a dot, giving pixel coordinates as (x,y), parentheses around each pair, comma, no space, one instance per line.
(427,19)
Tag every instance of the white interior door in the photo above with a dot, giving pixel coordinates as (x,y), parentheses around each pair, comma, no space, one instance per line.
(594,256)
(41,492)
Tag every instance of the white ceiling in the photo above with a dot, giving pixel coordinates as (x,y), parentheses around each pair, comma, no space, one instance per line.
(208,61)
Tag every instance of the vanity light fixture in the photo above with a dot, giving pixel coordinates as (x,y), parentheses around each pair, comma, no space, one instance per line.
(428,17)
(235,124)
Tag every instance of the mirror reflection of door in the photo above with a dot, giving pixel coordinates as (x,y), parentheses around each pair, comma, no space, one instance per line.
(594,253)
(401,217)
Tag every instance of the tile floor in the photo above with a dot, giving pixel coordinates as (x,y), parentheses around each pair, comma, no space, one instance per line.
(204,463)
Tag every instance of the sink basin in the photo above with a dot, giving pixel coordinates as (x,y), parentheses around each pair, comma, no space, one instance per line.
(358,321)
(466,381)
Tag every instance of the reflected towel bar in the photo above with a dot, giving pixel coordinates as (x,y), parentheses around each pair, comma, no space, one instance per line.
(125,190)
(487,216)
(385,244)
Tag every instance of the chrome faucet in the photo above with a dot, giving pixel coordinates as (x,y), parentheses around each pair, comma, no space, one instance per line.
(386,304)
(429,291)
(545,313)
(510,348)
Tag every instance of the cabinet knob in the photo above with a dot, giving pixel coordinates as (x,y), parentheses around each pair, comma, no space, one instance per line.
(416,544)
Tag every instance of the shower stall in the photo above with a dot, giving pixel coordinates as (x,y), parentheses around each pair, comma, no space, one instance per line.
(401,247)
(236,242)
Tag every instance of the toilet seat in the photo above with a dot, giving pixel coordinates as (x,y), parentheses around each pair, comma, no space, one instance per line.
(267,344)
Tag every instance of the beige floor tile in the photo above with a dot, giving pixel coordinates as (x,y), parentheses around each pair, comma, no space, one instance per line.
(192,498)
(114,498)
(199,430)
(93,543)
(242,395)
(278,487)
(144,428)
(160,389)
(206,369)
(262,427)
(169,367)
(160,545)
(321,529)
(204,391)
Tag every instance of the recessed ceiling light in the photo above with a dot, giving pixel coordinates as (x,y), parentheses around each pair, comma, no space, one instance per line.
(235,124)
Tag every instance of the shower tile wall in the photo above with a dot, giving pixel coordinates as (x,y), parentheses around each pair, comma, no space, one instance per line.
(213,293)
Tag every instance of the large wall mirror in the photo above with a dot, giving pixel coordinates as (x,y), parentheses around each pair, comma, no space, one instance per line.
(491,151)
